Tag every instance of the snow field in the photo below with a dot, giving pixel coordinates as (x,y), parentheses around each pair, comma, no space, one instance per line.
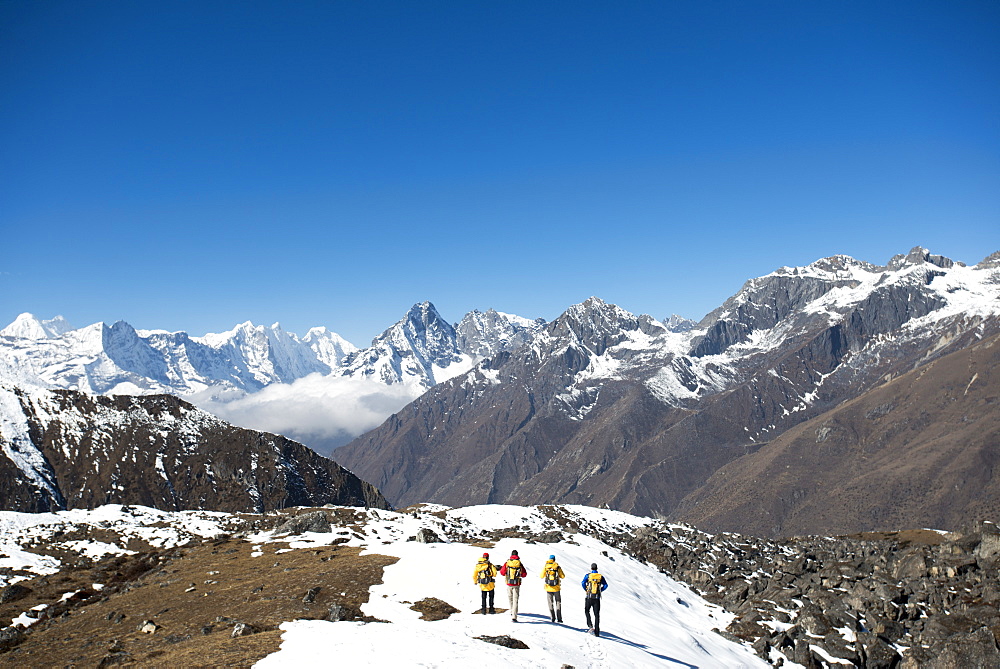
(648,620)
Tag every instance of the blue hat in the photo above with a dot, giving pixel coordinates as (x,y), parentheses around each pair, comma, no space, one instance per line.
(552,557)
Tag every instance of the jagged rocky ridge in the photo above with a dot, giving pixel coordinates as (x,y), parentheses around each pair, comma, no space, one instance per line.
(66,449)
(607,408)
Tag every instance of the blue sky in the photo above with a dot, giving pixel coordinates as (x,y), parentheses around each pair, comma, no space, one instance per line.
(191,165)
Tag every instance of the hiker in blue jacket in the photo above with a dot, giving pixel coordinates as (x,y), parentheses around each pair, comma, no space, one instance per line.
(593,585)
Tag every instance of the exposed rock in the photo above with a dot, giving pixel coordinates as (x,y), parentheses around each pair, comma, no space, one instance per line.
(878,654)
(314,521)
(243,629)
(10,637)
(147,627)
(506,642)
(336,613)
(427,536)
(114,659)
(14,592)
(961,651)
(432,608)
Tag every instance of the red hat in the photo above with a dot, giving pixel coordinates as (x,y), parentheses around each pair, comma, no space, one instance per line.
(486,554)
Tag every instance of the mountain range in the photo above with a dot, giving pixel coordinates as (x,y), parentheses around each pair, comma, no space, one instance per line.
(606,408)
(834,385)
(421,349)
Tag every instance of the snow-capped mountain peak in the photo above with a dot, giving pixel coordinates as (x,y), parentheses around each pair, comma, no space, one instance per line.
(918,255)
(27,326)
(330,348)
(679,324)
(598,325)
(486,334)
(419,350)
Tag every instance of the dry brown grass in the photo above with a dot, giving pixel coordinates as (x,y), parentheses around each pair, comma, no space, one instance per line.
(195,595)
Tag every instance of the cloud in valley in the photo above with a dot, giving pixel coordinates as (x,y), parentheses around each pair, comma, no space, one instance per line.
(322,412)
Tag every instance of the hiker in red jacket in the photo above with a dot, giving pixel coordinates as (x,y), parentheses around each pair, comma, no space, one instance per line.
(513,571)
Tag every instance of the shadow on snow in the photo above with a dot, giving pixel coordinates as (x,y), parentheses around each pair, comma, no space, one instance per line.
(537,619)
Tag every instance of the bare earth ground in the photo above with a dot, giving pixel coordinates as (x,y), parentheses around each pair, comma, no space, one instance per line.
(195,595)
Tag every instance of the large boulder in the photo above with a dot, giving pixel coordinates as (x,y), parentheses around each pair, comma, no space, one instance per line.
(314,521)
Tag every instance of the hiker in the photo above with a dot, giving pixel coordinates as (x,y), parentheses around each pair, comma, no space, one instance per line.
(594,584)
(553,575)
(513,571)
(484,574)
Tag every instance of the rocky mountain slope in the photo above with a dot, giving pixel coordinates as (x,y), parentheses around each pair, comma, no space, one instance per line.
(607,408)
(421,349)
(922,449)
(66,449)
(123,585)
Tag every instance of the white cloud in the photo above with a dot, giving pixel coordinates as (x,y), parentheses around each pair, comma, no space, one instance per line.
(320,411)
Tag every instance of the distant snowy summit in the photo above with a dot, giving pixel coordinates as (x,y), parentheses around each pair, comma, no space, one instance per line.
(27,326)
(420,350)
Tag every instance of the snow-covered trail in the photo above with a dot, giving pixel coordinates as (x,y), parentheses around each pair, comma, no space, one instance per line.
(647,619)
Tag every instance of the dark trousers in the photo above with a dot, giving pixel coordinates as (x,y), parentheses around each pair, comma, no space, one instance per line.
(595,604)
(488,594)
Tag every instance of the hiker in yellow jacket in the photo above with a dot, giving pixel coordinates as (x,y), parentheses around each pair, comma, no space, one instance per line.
(484,574)
(553,575)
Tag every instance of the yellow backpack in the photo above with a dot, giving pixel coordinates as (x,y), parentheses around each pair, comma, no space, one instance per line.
(594,585)
(552,575)
(513,572)
(485,577)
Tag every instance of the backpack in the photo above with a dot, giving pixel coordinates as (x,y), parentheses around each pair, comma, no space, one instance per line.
(485,577)
(594,585)
(552,575)
(513,572)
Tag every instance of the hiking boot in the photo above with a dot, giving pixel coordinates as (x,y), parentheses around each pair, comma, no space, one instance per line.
(553,618)
(483,612)
(560,618)
(492,610)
